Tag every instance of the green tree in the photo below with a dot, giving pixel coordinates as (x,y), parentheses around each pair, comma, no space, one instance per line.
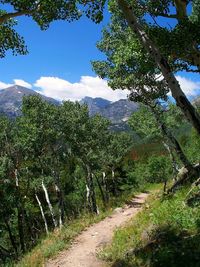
(154,122)
(132,54)
(43,13)
(46,11)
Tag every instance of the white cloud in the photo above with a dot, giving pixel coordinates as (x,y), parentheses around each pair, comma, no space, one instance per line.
(87,86)
(4,85)
(17,82)
(189,87)
(22,83)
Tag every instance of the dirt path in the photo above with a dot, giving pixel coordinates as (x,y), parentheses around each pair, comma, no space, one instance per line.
(84,248)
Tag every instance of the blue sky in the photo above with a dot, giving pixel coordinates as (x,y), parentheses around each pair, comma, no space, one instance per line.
(64,50)
(58,63)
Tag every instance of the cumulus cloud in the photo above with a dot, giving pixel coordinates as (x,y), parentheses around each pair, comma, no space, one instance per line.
(22,83)
(15,82)
(61,89)
(4,85)
(87,86)
(189,87)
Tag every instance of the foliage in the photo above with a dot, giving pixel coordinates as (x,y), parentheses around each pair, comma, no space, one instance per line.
(43,13)
(192,146)
(156,169)
(51,158)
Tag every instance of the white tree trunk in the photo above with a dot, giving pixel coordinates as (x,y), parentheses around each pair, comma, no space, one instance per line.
(104,176)
(60,211)
(49,204)
(16,178)
(91,196)
(114,182)
(42,213)
(59,191)
(174,163)
(177,93)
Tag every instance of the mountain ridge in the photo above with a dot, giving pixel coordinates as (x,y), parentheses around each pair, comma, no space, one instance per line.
(11,99)
(117,112)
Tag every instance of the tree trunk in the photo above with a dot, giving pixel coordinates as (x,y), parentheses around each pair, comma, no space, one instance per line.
(29,230)
(12,238)
(60,196)
(165,186)
(172,140)
(105,186)
(103,197)
(173,161)
(91,197)
(20,219)
(113,181)
(181,100)
(49,204)
(20,212)
(42,213)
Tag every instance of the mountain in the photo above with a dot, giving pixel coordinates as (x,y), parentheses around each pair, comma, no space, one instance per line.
(117,112)
(11,99)
(95,105)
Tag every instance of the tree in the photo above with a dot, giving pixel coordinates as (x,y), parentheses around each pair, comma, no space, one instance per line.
(46,11)
(180,18)
(163,64)
(153,122)
(43,13)
(138,42)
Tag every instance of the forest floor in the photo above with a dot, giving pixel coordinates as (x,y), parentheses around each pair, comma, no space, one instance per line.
(84,249)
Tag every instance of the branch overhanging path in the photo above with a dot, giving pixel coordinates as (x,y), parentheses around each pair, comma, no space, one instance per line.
(83,252)
(181,100)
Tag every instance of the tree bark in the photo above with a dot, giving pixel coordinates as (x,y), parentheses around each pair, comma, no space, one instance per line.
(113,181)
(49,204)
(174,163)
(167,133)
(11,236)
(181,99)
(105,183)
(91,197)
(20,212)
(42,213)
(60,196)
(103,197)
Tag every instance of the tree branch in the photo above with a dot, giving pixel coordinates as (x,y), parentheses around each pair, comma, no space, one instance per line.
(8,16)
(172,16)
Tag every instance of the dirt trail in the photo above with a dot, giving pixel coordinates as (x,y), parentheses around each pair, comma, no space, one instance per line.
(84,248)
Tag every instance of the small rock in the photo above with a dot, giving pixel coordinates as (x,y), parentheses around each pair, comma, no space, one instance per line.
(118,210)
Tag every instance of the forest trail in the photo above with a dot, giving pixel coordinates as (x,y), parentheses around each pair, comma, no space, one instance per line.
(83,251)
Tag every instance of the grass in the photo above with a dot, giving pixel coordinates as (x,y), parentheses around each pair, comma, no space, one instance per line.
(59,240)
(166,233)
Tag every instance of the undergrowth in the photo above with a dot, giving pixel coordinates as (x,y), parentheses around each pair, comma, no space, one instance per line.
(166,233)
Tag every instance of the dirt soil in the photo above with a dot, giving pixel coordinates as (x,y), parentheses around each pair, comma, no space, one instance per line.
(82,252)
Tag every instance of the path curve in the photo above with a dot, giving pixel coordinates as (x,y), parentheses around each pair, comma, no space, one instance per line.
(83,251)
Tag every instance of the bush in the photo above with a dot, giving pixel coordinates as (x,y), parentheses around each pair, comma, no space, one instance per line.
(157,169)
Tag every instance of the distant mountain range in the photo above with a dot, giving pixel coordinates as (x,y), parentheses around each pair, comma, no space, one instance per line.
(117,112)
(11,99)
